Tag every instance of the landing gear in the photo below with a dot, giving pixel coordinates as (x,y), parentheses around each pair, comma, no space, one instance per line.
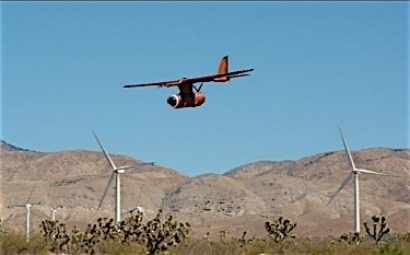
(198,89)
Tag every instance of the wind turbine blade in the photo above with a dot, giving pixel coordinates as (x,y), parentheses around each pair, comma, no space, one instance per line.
(105,152)
(106,190)
(31,194)
(365,171)
(143,213)
(126,167)
(344,183)
(128,211)
(347,150)
(134,166)
(139,197)
(138,208)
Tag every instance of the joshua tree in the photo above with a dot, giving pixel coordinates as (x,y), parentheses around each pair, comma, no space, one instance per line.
(222,234)
(157,235)
(242,240)
(59,239)
(280,229)
(379,228)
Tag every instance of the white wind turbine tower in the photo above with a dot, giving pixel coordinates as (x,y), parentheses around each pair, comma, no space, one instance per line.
(354,173)
(117,171)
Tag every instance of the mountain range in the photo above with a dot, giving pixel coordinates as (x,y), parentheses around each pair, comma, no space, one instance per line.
(241,198)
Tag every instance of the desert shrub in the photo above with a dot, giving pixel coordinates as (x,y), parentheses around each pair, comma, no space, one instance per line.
(351,238)
(405,237)
(2,231)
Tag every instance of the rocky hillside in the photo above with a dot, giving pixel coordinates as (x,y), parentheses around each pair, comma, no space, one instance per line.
(242,198)
(4,146)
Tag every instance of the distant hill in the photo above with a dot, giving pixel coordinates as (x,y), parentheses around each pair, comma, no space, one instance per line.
(4,146)
(241,198)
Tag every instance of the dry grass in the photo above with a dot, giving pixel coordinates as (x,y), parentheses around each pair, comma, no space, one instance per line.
(15,244)
(298,247)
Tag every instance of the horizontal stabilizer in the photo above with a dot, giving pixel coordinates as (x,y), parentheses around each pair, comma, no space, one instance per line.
(239,75)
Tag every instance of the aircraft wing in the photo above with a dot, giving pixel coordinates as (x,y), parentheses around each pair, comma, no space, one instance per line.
(193,80)
(160,83)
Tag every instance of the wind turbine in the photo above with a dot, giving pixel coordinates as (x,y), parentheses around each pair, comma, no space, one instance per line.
(355,174)
(117,171)
(28,210)
(53,211)
(138,208)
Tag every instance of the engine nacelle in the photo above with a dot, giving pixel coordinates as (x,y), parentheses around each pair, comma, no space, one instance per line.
(177,101)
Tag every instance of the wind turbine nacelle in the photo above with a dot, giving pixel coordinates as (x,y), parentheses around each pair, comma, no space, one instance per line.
(176,100)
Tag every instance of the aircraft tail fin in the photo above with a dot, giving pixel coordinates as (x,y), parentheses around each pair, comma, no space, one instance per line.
(223,68)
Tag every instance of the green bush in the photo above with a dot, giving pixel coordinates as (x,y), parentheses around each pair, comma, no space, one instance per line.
(387,249)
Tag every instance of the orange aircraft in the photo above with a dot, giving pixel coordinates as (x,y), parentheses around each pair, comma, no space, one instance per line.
(187,97)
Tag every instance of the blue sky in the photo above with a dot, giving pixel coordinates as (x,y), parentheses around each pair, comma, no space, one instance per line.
(318,65)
